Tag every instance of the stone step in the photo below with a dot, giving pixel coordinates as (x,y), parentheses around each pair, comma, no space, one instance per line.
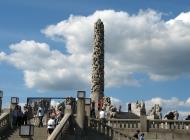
(39,134)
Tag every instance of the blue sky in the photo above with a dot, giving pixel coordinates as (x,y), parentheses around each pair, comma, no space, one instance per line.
(23,21)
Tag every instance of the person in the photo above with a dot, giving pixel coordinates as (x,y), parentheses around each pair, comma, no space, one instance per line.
(40,114)
(136,135)
(51,124)
(19,116)
(60,115)
(92,113)
(102,117)
(25,115)
(15,116)
(141,136)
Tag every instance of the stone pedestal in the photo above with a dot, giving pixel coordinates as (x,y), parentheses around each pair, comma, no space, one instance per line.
(144,123)
(80,113)
(80,118)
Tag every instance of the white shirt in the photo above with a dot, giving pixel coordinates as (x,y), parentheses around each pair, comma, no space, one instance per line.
(40,111)
(51,123)
(102,114)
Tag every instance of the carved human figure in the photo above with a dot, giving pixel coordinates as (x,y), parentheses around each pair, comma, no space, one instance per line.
(142,108)
(113,111)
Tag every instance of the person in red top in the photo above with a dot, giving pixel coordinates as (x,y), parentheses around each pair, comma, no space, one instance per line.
(100,104)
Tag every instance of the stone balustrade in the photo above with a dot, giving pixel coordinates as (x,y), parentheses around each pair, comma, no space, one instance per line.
(107,130)
(169,125)
(4,121)
(124,123)
(152,125)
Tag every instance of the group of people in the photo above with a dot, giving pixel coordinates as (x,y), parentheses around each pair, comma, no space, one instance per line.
(24,117)
(20,117)
(55,117)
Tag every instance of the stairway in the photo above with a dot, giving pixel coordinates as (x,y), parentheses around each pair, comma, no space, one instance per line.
(39,134)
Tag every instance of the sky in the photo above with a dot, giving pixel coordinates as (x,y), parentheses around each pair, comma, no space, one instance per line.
(46,49)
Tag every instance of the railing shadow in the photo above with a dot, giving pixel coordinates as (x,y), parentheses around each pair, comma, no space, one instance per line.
(107,131)
(5,126)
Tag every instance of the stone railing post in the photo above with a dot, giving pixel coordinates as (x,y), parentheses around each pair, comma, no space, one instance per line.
(14,103)
(80,114)
(144,123)
(69,105)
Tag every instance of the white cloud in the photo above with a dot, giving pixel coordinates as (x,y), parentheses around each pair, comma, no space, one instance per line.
(2,56)
(169,104)
(142,43)
(133,43)
(46,69)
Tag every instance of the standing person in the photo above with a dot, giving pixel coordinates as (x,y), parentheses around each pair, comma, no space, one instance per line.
(40,114)
(92,111)
(141,136)
(51,124)
(102,116)
(25,115)
(15,116)
(19,116)
(60,115)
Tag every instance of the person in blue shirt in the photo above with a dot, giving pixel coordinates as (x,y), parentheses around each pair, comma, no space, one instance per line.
(141,136)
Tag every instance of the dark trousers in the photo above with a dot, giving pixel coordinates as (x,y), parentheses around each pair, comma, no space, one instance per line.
(24,120)
(40,121)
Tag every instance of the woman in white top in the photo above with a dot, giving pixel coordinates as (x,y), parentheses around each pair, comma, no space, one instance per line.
(51,124)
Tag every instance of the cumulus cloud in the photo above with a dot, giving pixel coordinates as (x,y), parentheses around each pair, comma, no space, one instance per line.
(2,56)
(133,43)
(46,69)
(141,43)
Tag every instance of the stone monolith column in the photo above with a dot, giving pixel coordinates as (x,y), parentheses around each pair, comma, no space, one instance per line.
(97,88)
